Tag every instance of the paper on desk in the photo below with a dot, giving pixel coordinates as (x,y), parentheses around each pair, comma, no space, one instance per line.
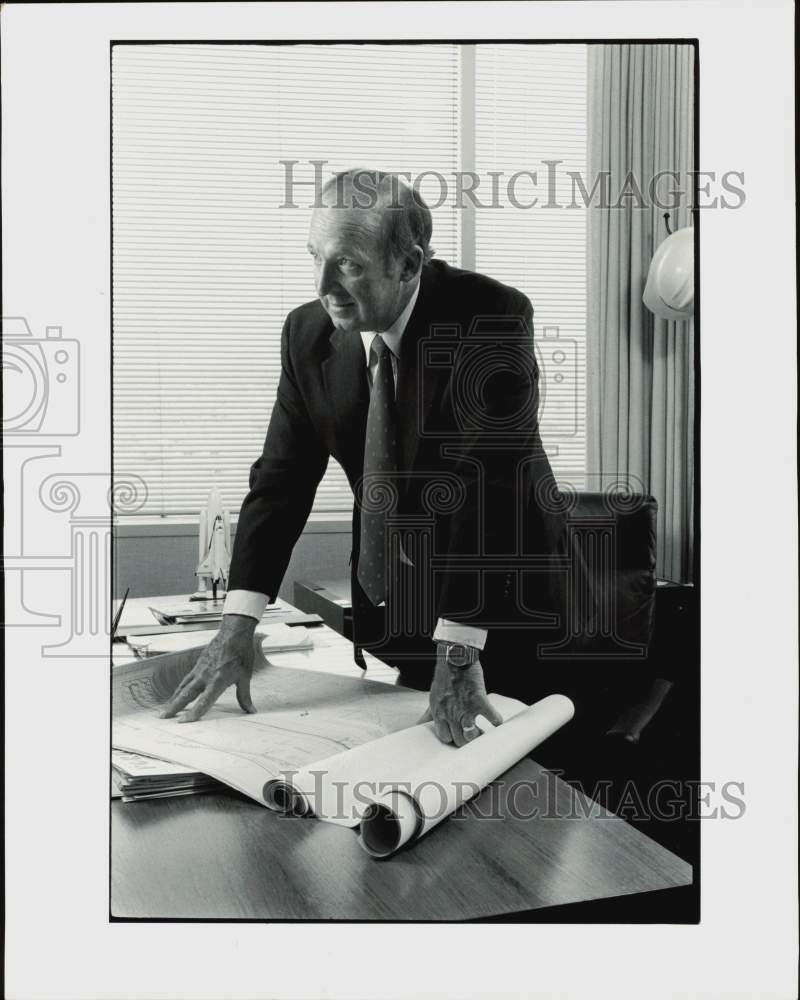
(275,638)
(181,608)
(303,716)
(445,781)
(135,777)
(340,788)
(323,742)
(411,778)
(134,614)
(172,642)
(135,765)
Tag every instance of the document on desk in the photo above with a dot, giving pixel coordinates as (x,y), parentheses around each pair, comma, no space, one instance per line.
(278,638)
(348,751)
(138,777)
(303,716)
(399,787)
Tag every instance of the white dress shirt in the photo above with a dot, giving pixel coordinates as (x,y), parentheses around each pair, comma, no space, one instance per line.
(392,337)
(252,603)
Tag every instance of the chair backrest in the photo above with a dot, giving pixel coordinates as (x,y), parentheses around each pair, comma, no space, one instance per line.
(615,536)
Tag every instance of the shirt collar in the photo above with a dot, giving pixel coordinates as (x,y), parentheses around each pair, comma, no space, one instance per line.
(394,334)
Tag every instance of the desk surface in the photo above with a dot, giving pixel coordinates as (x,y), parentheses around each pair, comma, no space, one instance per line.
(526,842)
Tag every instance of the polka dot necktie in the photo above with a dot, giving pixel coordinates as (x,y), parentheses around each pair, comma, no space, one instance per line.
(380,464)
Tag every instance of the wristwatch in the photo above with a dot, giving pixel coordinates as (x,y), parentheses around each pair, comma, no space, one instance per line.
(457,654)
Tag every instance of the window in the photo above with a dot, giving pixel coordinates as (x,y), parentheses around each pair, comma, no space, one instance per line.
(207,263)
(530,116)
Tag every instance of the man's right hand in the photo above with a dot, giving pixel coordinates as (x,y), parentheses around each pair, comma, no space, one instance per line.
(228,659)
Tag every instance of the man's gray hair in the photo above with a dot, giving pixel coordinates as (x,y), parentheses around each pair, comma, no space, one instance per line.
(405,215)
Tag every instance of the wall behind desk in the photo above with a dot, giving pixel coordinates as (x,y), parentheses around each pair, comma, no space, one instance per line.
(160,558)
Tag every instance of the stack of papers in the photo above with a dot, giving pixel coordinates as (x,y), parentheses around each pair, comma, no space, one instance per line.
(190,612)
(281,638)
(184,612)
(137,777)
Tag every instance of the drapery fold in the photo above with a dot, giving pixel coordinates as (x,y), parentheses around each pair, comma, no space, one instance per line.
(640,369)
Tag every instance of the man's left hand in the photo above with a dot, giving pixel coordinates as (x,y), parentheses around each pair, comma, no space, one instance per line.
(458,695)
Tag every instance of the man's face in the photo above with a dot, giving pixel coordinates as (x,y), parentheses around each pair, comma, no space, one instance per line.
(358,287)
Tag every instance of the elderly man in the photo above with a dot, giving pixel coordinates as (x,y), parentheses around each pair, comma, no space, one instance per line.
(420,379)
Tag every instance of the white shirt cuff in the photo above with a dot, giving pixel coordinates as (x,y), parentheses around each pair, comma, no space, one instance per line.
(466,635)
(245,602)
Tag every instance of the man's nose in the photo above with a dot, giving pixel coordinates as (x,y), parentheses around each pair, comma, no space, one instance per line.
(326,279)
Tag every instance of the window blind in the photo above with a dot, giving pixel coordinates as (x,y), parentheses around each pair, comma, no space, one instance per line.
(206,264)
(530,107)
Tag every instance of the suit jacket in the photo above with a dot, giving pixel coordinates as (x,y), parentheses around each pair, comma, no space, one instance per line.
(474,489)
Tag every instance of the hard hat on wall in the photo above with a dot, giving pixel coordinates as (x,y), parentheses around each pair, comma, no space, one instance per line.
(669,291)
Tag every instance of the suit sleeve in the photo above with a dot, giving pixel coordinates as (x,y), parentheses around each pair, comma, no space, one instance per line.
(283,483)
(497,378)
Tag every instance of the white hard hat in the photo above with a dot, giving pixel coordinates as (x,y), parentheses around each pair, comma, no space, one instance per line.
(669,291)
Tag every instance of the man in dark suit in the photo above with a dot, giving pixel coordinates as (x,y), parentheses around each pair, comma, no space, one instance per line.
(420,379)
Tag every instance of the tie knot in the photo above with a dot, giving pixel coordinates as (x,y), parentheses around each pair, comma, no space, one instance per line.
(379,347)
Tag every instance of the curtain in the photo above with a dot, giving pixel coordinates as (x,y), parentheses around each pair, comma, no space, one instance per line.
(640,369)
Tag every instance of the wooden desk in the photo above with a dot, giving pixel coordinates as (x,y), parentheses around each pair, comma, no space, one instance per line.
(524,843)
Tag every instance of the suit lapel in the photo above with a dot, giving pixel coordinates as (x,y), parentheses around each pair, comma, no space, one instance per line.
(344,374)
(419,383)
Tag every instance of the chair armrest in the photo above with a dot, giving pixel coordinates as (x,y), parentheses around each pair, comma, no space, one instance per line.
(632,722)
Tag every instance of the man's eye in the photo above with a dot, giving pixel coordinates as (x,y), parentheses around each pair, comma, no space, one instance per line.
(347,264)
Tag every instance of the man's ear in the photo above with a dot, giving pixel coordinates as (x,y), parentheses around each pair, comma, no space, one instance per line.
(412,264)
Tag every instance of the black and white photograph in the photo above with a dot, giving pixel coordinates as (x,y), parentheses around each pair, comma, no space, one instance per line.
(406,408)
(381,519)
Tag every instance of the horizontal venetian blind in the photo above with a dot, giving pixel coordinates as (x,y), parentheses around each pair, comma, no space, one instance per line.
(530,107)
(206,262)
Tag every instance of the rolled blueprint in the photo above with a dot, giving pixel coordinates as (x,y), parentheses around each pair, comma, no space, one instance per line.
(402,785)
(408,813)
